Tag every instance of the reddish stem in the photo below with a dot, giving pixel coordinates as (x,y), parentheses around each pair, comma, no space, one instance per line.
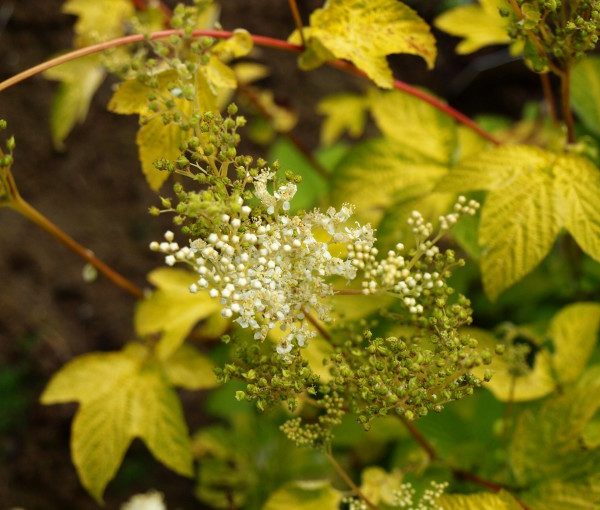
(260,40)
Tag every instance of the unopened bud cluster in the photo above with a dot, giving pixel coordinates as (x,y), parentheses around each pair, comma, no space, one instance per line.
(554,31)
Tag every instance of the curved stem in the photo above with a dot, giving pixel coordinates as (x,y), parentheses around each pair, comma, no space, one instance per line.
(347,480)
(32,214)
(260,40)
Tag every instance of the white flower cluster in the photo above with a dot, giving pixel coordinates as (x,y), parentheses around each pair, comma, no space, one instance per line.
(428,501)
(269,272)
(397,273)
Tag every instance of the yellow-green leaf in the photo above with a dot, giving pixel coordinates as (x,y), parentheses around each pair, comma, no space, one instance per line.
(101,435)
(547,442)
(157,418)
(577,189)
(381,487)
(99,20)
(87,377)
(536,383)
(343,113)
(496,168)
(415,125)
(585,92)
(580,494)
(188,368)
(238,45)
(122,395)
(574,333)
(79,80)
(317,350)
(518,227)
(172,309)
(366,32)
(372,173)
(479,25)
(308,495)
(483,501)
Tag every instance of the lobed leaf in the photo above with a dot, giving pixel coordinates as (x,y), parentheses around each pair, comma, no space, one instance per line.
(343,113)
(79,80)
(172,309)
(484,501)
(478,25)
(365,33)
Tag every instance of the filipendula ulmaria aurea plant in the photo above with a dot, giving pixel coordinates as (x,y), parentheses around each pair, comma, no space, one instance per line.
(418,362)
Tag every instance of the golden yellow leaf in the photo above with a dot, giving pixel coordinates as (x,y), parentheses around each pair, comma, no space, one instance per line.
(365,33)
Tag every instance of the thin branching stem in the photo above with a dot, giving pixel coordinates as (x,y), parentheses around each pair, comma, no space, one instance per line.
(297,20)
(260,40)
(348,480)
(32,214)
(565,99)
(549,96)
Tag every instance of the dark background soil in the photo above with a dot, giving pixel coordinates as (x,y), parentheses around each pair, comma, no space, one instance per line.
(95,192)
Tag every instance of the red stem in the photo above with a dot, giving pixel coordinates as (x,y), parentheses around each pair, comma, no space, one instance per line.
(260,40)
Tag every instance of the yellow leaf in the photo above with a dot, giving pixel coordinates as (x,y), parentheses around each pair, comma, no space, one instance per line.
(156,141)
(574,333)
(100,436)
(380,487)
(122,396)
(518,227)
(483,501)
(79,81)
(536,383)
(479,25)
(495,168)
(577,191)
(219,75)
(190,369)
(248,72)
(99,20)
(415,125)
(315,352)
(172,309)
(343,112)
(372,173)
(308,495)
(238,45)
(365,33)
(157,418)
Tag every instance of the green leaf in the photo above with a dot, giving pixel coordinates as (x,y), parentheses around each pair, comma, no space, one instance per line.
(313,186)
(577,189)
(122,396)
(188,368)
(547,443)
(479,25)
(172,309)
(585,92)
(79,80)
(518,227)
(307,495)
(574,332)
(484,501)
(365,33)
(98,20)
(343,113)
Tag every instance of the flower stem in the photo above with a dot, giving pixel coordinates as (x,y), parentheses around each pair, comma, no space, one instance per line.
(347,480)
(549,96)
(565,97)
(32,214)
(259,40)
